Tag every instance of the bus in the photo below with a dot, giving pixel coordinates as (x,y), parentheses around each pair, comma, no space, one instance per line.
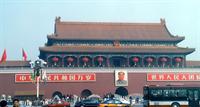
(171,96)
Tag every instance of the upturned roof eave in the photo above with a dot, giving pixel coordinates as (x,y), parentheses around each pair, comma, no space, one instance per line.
(183,51)
(173,39)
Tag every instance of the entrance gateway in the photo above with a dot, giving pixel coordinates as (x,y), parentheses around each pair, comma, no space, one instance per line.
(86,93)
(76,47)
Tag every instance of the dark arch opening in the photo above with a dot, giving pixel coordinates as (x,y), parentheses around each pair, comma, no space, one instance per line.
(121,91)
(58,93)
(118,61)
(86,93)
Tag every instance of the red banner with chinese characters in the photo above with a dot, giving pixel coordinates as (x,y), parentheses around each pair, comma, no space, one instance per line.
(60,77)
(173,77)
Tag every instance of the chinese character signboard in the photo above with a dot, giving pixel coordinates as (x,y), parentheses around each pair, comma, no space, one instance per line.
(59,77)
(173,77)
(121,78)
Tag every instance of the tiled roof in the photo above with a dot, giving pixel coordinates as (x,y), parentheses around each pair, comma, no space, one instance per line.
(193,63)
(13,63)
(112,31)
(117,49)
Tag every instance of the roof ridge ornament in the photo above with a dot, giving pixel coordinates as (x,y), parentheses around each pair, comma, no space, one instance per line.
(162,21)
(57,19)
(116,43)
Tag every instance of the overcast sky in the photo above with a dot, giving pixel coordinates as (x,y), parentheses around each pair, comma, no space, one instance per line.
(26,23)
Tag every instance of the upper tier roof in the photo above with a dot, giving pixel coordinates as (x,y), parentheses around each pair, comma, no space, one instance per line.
(112,31)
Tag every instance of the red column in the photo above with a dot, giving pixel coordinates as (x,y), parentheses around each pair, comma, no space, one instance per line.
(108,61)
(78,64)
(128,64)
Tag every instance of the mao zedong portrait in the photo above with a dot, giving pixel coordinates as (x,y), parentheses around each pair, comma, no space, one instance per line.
(121,79)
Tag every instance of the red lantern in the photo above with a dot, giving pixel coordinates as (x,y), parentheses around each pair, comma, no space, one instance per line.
(163,59)
(135,59)
(178,60)
(70,59)
(85,59)
(55,59)
(100,59)
(149,60)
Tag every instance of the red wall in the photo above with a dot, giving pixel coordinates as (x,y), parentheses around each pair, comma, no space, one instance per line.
(104,84)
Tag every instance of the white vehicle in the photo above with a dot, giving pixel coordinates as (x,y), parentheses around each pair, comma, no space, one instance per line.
(171,96)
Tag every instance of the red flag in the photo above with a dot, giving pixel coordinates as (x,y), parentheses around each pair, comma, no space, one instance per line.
(24,55)
(4,56)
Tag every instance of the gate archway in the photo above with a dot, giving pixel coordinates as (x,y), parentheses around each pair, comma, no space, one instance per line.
(121,91)
(57,93)
(86,93)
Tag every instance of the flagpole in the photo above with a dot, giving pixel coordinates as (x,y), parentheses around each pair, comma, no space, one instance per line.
(22,59)
(38,87)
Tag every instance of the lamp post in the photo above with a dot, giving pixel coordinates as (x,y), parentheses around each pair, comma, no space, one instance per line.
(37,66)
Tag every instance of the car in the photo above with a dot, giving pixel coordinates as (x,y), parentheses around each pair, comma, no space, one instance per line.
(88,103)
(66,104)
(113,103)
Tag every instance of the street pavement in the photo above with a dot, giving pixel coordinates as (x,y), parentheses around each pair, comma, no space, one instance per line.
(138,105)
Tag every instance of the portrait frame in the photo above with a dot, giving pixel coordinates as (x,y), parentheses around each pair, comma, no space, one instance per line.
(124,80)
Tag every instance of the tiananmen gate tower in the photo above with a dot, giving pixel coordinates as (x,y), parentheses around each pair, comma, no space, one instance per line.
(85,58)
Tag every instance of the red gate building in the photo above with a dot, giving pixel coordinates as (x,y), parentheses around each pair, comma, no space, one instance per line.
(89,57)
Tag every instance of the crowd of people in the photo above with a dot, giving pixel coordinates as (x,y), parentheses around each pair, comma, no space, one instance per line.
(69,98)
(4,103)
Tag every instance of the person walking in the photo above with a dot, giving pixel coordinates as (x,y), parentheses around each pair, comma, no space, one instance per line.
(3,103)
(16,103)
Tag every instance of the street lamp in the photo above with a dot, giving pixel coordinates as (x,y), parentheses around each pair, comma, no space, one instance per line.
(37,66)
